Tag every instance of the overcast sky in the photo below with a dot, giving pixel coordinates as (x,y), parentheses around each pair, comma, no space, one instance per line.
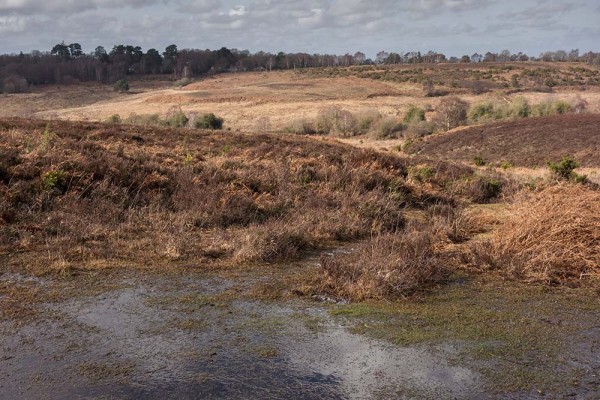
(454,27)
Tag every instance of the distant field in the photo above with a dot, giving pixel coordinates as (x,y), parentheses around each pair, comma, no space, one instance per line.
(278,99)
(525,142)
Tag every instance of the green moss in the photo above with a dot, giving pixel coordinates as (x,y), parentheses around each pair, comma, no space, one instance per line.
(521,330)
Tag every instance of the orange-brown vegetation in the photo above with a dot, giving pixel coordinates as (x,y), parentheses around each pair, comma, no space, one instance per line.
(78,196)
(397,265)
(551,236)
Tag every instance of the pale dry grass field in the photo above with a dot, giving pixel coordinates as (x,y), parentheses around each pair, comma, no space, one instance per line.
(263,101)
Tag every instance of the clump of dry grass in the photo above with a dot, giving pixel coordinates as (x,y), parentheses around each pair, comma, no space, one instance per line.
(550,237)
(392,266)
(275,241)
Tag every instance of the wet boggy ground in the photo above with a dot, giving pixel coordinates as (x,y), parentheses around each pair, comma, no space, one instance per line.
(205,336)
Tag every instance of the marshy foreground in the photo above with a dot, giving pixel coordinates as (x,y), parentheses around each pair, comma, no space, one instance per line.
(151,262)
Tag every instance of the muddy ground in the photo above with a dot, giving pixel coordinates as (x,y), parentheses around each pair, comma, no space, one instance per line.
(238,334)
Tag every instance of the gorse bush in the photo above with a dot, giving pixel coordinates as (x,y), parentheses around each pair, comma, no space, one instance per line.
(482,189)
(562,107)
(121,86)
(177,120)
(209,121)
(414,115)
(481,112)
(479,161)
(565,170)
(520,108)
(114,119)
(53,179)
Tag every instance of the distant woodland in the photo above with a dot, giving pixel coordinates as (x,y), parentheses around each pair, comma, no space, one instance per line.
(68,63)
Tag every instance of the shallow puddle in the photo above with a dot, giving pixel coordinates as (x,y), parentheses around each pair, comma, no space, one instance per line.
(138,343)
(203,337)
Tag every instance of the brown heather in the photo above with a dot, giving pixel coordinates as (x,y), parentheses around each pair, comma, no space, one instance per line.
(80,196)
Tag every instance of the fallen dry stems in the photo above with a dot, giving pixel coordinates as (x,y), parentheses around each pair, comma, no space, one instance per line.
(391,266)
(551,237)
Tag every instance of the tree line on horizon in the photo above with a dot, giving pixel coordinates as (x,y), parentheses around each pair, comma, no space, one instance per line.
(68,63)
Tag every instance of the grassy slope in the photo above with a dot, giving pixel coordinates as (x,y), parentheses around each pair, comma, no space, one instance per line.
(84,195)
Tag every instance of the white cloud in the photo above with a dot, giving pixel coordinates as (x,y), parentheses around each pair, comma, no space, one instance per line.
(238,11)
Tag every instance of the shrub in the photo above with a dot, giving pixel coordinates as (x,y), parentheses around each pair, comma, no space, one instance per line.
(182,82)
(177,120)
(114,119)
(367,120)
(15,84)
(429,90)
(580,105)
(387,128)
(549,237)
(422,173)
(365,123)
(452,112)
(414,114)
(144,119)
(407,146)
(418,129)
(53,179)
(564,169)
(334,120)
(542,109)
(562,107)
(388,266)
(481,112)
(520,108)
(274,241)
(121,86)
(209,121)
(484,188)
(479,161)
(301,127)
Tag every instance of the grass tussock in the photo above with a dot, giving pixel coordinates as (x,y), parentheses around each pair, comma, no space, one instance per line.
(550,237)
(392,266)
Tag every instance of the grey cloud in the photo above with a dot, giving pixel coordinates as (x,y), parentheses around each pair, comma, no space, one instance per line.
(295,25)
(68,7)
(198,6)
(12,24)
